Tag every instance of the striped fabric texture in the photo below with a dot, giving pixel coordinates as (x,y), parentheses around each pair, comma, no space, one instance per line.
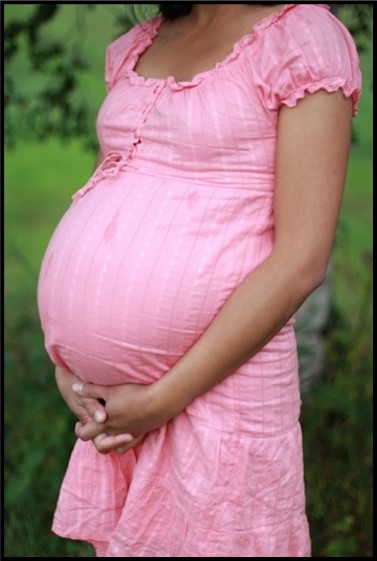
(173,220)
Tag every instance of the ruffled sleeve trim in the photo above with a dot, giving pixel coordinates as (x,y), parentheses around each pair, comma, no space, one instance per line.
(329,85)
(308,51)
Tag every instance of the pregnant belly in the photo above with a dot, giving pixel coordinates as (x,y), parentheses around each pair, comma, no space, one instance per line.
(137,269)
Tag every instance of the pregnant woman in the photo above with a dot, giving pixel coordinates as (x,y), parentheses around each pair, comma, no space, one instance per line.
(168,290)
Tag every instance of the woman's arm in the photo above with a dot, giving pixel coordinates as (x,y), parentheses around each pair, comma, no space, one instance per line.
(311,161)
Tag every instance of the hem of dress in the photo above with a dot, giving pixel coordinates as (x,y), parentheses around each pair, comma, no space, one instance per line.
(78,536)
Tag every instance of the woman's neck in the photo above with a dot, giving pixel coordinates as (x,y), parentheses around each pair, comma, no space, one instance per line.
(205,15)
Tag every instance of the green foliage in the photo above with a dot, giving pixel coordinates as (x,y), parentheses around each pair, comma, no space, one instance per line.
(49,100)
(39,431)
(337,428)
(52,107)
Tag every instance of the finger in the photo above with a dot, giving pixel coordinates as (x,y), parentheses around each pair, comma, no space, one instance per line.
(90,390)
(94,409)
(106,443)
(92,430)
(132,444)
(88,431)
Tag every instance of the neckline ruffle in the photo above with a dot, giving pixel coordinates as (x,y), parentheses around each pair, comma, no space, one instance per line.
(149,29)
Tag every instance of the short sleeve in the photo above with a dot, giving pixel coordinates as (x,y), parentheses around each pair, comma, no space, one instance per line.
(309,50)
(120,54)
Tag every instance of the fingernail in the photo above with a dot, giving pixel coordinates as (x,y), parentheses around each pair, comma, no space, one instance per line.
(77,387)
(128,437)
(99,416)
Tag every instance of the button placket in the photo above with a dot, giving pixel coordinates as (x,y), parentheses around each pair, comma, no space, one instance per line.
(156,92)
(115,162)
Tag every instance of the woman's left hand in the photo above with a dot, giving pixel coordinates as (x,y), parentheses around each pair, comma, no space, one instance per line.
(130,409)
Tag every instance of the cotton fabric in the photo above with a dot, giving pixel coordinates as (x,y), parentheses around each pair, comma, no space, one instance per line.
(173,220)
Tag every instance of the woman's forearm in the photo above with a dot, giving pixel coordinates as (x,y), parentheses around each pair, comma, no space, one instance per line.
(255,312)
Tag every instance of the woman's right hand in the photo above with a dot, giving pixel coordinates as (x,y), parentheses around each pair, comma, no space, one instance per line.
(84,408)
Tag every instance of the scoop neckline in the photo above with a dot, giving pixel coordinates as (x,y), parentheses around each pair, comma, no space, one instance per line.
(149,29)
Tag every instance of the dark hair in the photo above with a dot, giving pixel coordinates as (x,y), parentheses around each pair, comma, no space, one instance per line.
(174,10)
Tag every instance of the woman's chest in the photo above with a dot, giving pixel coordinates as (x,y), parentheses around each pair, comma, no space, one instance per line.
(182,58)
(219,117)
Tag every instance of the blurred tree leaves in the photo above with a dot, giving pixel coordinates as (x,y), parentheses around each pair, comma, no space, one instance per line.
(52,106)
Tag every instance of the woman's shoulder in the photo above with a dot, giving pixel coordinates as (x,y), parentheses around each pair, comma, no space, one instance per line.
(310,23)
(126,48)
(307,48)
(139,32)
(124,41)
(310,34)
(310,11)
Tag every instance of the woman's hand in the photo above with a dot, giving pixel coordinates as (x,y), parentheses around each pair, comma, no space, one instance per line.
(120,443)
(89,409)
(84,408)
(130,408)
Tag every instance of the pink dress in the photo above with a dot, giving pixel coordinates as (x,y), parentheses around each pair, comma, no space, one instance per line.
(178,214)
